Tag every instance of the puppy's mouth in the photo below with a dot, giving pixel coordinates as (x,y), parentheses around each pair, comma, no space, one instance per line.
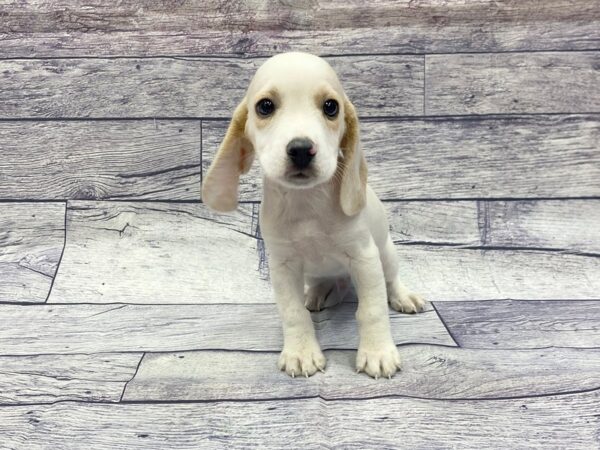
(299,177)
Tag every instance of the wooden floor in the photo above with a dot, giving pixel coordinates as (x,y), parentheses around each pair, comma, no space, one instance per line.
(133,317)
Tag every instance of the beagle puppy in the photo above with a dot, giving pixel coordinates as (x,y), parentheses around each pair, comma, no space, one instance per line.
(319,218)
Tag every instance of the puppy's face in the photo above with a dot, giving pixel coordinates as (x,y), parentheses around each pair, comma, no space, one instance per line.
(296,119)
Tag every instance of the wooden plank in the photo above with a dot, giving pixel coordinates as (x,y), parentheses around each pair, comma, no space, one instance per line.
(52,378)
(571,225)
(100,159)
(117,328)
(513,83)
(452,223)
(526,156)
(183,253)
(123,254)
(186,87)
(463,274)
(31,241)
(546,422)
(531,324)
(159,253)
(34,29)
(451,373)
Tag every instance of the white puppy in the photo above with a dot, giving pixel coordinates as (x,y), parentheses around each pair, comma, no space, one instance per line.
(319,218)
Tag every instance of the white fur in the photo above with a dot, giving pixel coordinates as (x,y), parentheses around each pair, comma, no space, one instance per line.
(309,235)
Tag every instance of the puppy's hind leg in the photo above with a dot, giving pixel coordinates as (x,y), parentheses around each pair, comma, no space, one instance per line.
(399,297)
(325,292)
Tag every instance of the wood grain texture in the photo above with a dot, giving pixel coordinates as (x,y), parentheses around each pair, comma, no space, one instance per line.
(544,422)
(52,378)
(513,83)
(186,87)
(450,373)
(31,241)
(571,225)
(35,16)
(100,159)
(183,253)
(159,253)
(117,328)
(512,324)
(133,28)
(463,274)
(564,225)
(523,157)
(454,223)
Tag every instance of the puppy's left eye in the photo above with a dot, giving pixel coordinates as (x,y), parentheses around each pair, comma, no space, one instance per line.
(265,107)
(330,108)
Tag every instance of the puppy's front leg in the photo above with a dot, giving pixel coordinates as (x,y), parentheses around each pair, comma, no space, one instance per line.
(377,354)
(301,351)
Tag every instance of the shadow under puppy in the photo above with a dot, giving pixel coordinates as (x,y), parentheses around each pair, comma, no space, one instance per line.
(319,218)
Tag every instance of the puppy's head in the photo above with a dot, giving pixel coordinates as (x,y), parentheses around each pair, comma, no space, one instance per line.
(295,118)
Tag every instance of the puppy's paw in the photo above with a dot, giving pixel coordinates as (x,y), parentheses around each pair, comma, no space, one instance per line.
(302,360)
(402,300)
(378,361)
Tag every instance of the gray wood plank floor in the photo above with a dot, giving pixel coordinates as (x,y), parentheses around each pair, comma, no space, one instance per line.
(131,316)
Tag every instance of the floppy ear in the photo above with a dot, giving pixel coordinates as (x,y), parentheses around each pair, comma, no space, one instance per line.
(353,187)
(235,155)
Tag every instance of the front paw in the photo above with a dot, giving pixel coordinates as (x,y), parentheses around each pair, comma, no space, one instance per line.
(302,360)
(402,300)
(378,361)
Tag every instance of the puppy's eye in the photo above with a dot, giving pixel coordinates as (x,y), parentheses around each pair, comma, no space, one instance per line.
(330,108)
(265,107)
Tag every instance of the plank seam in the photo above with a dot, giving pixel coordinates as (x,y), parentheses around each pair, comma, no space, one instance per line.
(362,118)
(396,396)
(524,300)
(490,199)
(250,202)
(562,251)
(445,325)
(134,375)
(275,352)
(533,249)
(312,397)
(34,304)
(256,56)
(424,85)
(61,254)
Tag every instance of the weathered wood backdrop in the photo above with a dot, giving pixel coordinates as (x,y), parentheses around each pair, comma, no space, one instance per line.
(132,316)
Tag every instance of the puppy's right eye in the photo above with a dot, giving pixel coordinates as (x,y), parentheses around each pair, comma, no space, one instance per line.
(265,107)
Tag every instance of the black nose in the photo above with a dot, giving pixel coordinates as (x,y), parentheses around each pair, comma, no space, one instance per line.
(300,151)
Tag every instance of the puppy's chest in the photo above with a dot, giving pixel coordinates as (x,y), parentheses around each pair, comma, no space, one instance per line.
(312,240)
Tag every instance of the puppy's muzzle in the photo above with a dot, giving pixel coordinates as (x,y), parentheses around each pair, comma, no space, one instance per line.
(301,152)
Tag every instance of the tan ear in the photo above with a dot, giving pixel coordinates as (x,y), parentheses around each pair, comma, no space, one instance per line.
(234,157)
(353,186)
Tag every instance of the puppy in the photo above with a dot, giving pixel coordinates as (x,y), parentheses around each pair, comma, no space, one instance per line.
(319,218)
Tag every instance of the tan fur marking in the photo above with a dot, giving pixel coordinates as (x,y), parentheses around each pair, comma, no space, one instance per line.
(325,92)
(219,187)
(353,171)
